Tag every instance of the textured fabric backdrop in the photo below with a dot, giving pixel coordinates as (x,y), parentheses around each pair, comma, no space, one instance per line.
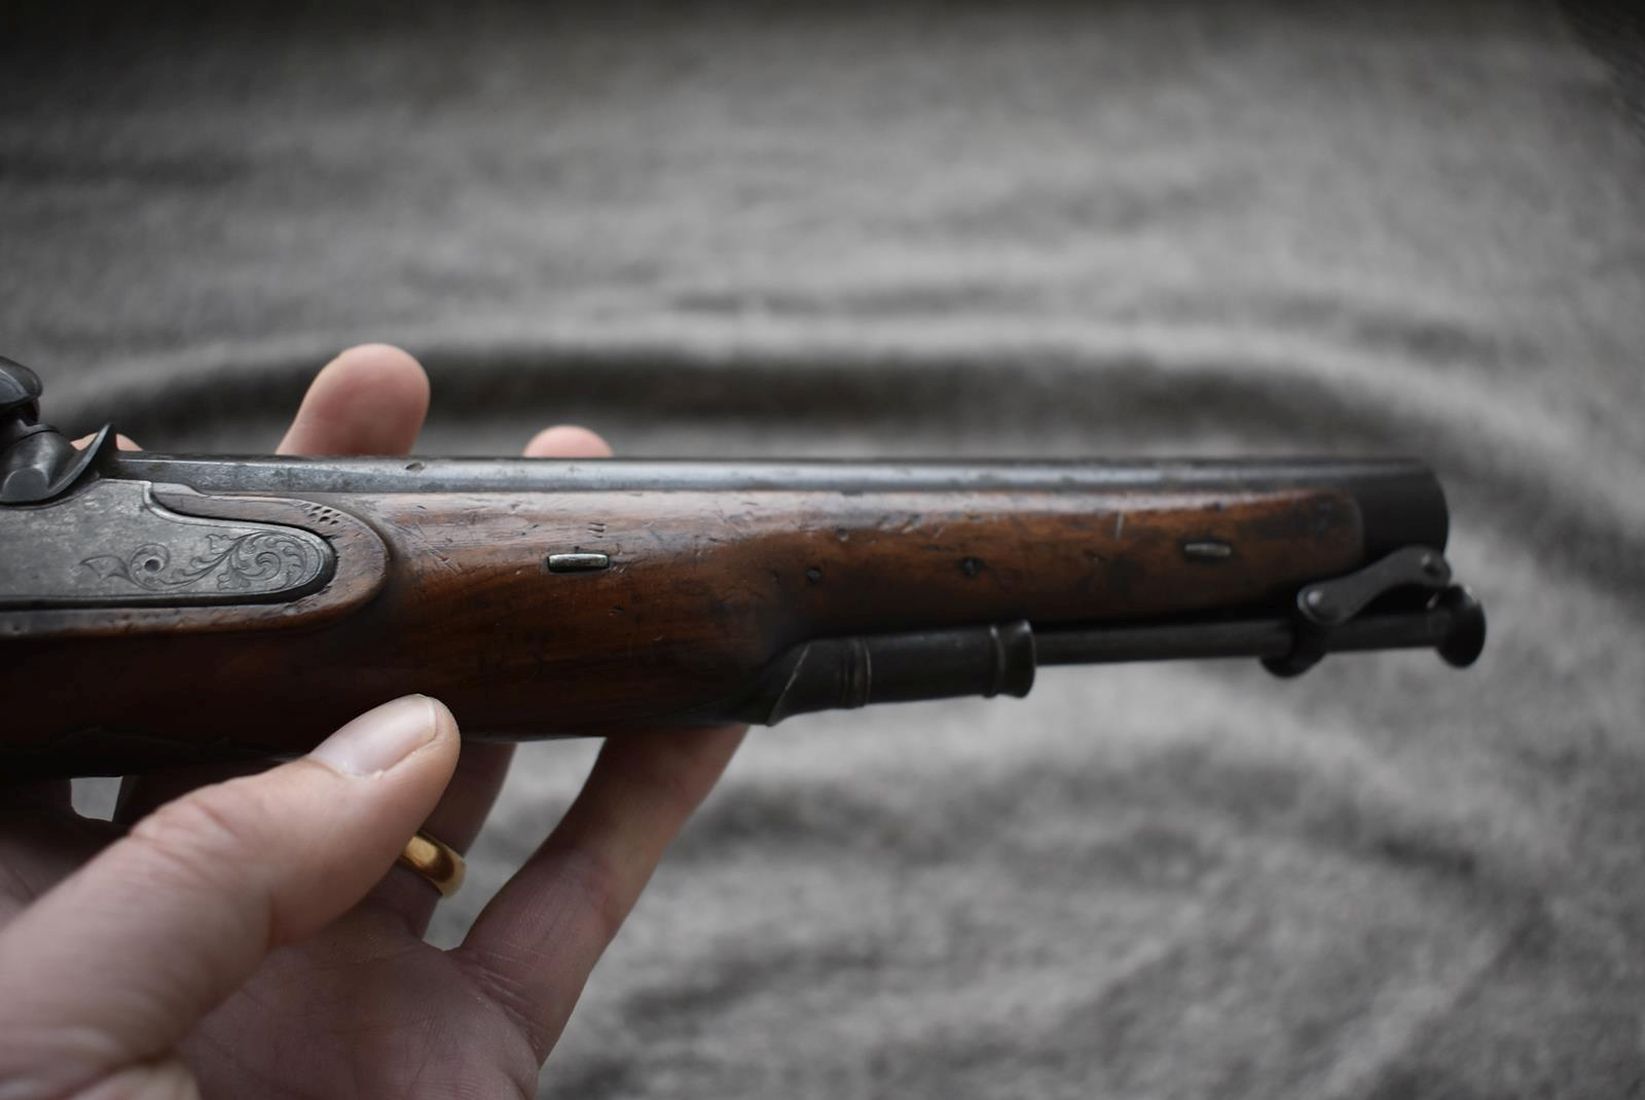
(928,229)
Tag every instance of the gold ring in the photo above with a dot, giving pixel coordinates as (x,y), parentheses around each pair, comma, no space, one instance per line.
(436,861)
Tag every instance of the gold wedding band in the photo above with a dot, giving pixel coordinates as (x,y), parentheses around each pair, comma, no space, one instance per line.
(436,861)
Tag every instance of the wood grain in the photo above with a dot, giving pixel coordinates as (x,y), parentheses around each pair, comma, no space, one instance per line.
(451,597)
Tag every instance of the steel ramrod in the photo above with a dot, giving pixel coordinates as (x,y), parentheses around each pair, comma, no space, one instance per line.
(145,597)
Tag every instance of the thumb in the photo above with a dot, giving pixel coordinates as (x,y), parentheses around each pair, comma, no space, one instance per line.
(111,968)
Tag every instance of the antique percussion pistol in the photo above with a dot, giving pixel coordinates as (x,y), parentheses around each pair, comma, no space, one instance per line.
(158,609)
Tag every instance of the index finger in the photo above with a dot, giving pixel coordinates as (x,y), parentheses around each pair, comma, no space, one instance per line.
(536,943)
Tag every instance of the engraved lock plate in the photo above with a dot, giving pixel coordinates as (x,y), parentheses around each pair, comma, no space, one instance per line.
(113,545)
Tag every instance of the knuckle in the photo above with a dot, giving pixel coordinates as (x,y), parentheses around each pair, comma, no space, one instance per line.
(599,890)
(196,839)
(666,790)
(673,778)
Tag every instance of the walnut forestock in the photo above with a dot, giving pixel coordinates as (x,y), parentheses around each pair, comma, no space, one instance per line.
(558,610)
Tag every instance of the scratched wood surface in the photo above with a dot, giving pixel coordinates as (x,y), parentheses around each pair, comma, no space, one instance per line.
(702,590)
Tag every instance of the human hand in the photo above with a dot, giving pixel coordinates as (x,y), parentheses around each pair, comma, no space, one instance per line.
(252,936)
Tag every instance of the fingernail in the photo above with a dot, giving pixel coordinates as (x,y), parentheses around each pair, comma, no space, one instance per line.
(381,738)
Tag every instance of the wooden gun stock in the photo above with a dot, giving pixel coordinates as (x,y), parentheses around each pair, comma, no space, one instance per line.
(158,610)
(163,609)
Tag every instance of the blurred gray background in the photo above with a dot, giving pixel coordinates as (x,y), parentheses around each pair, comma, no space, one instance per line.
(940,229)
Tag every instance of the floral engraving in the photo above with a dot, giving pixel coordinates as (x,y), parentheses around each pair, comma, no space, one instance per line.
(262,561)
